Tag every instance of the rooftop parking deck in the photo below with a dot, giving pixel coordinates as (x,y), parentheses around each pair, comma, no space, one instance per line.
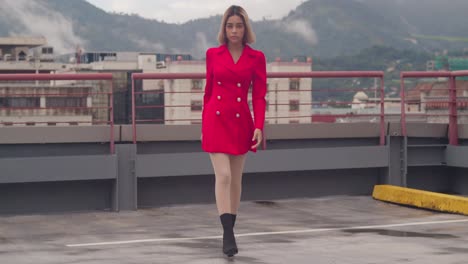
(334,229)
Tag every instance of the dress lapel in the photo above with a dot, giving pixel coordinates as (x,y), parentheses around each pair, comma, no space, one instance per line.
(245,61)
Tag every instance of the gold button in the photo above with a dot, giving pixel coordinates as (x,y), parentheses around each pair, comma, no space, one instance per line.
(239,99)
(219,97)
(218,113)
(238,85)
(237,115)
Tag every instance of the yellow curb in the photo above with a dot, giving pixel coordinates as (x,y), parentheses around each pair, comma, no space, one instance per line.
(422,199)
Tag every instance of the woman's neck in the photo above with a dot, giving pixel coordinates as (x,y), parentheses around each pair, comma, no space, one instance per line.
(235,47)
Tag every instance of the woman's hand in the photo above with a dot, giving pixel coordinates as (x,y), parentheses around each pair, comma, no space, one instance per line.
(257,136)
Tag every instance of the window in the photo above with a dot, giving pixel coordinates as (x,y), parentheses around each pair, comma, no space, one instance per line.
(196,106)
(293,121)
(294,84)
(47,50)
(293,105)
(20,102)
(66,102)
(21,56)
(197,84)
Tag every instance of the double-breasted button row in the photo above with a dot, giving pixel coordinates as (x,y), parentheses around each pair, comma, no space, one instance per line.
(238,84)
(238,98)
(219,113)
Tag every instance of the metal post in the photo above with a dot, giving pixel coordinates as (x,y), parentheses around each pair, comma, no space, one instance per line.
(111,103)
(382,111)
(453,122)
(133,111)
(403,108)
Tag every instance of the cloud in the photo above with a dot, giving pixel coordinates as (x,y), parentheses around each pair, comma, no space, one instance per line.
(201,45)
(147,45)
(300,27)
(180,11)
(34,18)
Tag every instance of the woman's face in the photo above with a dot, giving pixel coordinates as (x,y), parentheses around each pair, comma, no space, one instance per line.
(235,29)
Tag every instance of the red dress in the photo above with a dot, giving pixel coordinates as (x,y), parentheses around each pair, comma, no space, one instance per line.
(227,124)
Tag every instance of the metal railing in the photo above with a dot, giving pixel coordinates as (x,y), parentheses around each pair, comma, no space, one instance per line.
(271,75)
(451,102)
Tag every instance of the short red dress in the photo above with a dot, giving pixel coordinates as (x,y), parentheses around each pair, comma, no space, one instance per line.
(227,123)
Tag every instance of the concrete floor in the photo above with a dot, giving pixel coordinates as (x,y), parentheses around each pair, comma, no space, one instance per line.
(339,229)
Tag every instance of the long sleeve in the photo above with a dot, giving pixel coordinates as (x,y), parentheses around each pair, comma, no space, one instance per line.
(209,78)
(259,91)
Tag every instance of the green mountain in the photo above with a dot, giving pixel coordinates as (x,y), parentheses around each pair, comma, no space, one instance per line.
(318,28)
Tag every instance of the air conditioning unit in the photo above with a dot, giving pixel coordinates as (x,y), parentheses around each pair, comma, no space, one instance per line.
(160,64)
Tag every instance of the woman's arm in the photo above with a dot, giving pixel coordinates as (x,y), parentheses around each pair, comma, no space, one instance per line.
(259,91)
(209,78)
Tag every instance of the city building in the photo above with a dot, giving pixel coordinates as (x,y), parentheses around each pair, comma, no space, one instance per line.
(42,103)
(158,101)
(433,98)
(288,100)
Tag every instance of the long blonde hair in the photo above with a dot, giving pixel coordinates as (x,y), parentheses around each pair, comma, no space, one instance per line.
(249,35)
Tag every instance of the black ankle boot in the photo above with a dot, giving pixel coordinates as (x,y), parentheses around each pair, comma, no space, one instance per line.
(229,241)
(233,216)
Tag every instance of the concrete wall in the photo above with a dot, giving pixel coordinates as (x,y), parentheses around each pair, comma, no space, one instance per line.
(57,169)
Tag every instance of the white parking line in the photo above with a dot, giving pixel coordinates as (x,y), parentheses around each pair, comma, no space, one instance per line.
(303,231)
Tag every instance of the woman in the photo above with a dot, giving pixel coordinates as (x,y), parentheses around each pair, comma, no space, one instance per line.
(228,130)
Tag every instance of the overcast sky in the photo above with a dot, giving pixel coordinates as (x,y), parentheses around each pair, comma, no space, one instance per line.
(180,11)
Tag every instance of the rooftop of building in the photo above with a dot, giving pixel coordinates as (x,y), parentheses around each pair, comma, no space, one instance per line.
(23,41)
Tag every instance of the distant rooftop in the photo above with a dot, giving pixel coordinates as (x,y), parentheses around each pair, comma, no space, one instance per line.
(23,41)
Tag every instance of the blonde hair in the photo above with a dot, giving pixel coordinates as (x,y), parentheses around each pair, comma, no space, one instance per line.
(249,35)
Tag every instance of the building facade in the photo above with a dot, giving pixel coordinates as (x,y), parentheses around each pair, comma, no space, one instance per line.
(46,103)
(172,102)
(288,100)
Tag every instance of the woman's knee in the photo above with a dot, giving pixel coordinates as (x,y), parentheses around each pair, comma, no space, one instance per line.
(223,177)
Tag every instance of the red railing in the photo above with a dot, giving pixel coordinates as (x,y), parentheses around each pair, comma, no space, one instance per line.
(452,101)
(61,77)
(312,74)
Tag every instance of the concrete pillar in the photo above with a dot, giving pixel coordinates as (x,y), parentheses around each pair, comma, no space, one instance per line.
(397,161)
(125,196)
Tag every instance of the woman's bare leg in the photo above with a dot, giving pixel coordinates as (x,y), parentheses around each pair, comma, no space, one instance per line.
(222,170)
(237,168)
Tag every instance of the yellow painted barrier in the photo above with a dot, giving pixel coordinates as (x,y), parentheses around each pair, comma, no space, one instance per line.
(422,199)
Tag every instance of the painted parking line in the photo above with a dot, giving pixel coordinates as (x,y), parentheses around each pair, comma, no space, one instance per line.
(302,231)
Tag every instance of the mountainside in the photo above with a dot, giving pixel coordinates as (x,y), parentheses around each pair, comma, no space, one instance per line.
(318,28)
